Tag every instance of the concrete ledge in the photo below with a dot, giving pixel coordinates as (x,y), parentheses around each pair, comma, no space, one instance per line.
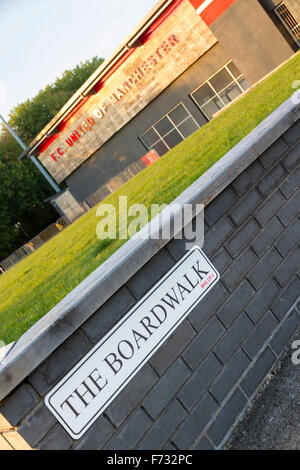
(66,317)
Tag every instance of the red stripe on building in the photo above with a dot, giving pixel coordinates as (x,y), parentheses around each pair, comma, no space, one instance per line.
(160,21)
(197,3)
(213,10)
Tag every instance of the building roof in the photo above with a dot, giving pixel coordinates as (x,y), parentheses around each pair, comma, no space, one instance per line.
(104,68)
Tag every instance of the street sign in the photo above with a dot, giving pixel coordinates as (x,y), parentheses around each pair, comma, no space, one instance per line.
(84,394)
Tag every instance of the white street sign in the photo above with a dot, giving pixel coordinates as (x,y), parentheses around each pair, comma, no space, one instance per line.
(84,394)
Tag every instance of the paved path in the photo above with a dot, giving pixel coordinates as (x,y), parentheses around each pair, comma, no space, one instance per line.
(273,421)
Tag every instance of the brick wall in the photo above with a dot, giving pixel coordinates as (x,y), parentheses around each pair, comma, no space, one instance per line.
(202,380)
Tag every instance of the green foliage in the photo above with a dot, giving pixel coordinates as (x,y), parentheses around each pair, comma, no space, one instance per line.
(9,147)
(22,192)
(30,117)
(36,284)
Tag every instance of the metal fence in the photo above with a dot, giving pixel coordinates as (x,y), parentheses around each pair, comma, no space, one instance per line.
(63,222)
(289,21)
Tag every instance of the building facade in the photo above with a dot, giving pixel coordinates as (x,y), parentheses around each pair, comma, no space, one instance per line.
(185,62)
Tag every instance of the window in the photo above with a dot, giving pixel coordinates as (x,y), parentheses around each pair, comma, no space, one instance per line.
(172,129)
(222,88)
(288,21)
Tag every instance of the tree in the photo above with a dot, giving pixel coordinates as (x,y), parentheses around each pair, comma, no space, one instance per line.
(22,192)
(9,148)
(23,212)
(30,117)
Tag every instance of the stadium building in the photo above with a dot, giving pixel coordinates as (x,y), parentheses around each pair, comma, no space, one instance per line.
(186,61)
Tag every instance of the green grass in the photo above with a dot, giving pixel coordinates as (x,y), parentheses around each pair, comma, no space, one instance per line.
(35,285)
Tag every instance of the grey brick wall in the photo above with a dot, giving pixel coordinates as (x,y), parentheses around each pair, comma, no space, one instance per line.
(200,383)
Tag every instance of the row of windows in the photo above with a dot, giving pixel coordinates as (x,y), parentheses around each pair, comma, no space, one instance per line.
(220,90)
(178,124)
(172,129)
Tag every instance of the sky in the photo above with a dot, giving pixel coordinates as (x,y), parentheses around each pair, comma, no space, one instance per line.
(40,39)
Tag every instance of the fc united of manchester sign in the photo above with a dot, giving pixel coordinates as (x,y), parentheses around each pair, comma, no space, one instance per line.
(79,399)
(147,71)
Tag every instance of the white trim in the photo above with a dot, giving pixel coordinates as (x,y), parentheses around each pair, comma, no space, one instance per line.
(204,6)
(218,94)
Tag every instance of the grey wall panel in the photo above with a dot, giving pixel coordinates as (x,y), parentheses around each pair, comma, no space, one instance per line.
(252,39)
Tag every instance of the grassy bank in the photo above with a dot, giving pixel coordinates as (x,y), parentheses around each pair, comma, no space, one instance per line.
(30,289)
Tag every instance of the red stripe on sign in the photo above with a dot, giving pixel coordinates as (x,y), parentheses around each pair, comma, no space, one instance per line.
(214,10)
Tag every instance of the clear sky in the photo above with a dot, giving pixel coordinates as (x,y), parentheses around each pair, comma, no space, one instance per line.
(41,38)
